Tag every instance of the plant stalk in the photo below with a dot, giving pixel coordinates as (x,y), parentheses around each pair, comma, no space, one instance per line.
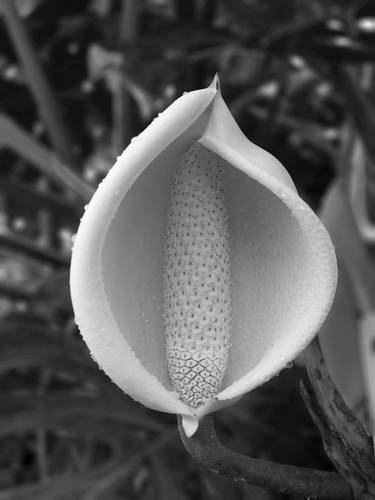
(205,447)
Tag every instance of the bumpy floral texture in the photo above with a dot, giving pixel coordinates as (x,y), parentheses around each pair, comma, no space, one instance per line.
(197,278)
(198,273)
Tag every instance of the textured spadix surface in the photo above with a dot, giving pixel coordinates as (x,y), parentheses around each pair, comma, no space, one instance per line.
(197,284)
(282,263)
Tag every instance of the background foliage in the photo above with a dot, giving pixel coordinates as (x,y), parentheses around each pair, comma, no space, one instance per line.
(78,79)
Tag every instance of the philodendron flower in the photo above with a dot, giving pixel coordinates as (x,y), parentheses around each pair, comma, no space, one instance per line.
(198,272)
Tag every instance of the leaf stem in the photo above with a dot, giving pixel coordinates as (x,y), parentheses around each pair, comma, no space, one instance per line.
(205,447)
(13,137)
(346,442)
(31,249)
(37,80)
(13,291)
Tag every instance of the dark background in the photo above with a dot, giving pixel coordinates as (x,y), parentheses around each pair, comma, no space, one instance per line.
(78,79)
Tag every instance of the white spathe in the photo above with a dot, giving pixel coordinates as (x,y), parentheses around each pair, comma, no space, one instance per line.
(283,264)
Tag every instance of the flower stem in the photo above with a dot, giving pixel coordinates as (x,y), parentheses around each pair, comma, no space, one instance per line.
(205,447)
(346,442)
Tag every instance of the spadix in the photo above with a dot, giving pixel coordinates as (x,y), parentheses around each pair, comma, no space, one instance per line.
(197,287)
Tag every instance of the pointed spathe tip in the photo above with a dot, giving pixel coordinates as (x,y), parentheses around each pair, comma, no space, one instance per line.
(215,84)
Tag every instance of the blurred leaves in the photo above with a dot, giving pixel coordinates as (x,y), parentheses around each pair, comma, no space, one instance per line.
(346,441)
(109,65)
(289,71)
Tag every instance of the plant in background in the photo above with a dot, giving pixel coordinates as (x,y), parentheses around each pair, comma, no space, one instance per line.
(297,79)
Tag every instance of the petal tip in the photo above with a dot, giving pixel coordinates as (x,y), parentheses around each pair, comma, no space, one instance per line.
(215,84)
(190,425)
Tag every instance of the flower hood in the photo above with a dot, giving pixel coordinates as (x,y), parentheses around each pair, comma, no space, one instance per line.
(283,266)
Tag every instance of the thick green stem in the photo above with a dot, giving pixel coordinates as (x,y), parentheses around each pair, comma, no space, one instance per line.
(205,447)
